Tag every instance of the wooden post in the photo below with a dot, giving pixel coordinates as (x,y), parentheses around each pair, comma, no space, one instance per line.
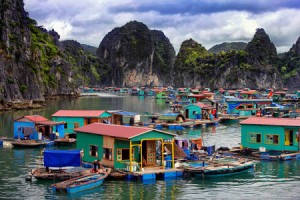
(173,152)
(130,160)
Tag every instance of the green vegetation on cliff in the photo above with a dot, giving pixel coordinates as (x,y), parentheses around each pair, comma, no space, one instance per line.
(227,46)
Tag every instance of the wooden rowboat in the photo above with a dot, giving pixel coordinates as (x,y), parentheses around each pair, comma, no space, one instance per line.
(81,183)
(57,174)
(28,143)
(64,141)
(220,169)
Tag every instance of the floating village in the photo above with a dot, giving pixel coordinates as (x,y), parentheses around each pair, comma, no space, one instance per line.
(124,145)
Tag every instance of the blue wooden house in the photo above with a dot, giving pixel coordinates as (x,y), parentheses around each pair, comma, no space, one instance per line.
(125,118)
(78,118)
(279,134)
(36,127)
(245,107)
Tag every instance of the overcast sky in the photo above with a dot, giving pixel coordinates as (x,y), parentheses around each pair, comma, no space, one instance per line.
(209,22)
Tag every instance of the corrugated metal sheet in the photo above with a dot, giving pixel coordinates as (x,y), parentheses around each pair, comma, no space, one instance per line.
(126,132)
(272,121)
(202,105)
(78,113)
(36,118)
(125,113)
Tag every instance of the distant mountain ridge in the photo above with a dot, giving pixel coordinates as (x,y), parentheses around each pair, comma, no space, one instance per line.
(227,46)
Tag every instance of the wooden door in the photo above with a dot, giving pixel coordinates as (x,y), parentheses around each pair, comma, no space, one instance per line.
(287,138)
(151,153)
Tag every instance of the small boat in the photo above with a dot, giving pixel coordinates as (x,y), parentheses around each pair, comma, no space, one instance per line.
(81,183)
(59,165)
(28,143)
(65,141)
(220,169)
(60,174)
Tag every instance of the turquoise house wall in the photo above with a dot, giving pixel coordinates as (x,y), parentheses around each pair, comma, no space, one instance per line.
(191,108)
(264,130)
(84,141)
(152,135)
(70,122)
(105,115)
(120,144)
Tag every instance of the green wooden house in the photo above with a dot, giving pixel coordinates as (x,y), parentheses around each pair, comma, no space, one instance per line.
(279,134)
(161,95)
(114,145)
(78,118)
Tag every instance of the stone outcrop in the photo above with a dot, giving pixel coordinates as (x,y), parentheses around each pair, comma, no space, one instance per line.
(133,55)
(254,67)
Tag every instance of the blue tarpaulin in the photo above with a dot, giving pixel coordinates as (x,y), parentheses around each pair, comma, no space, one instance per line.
(62,158)
(232,106)
(61,130)
(281,107)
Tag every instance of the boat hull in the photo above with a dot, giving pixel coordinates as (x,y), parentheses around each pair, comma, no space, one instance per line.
(81,183)
(224,171)
(79,188)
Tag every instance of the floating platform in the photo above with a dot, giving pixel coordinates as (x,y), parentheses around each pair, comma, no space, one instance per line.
(153,173)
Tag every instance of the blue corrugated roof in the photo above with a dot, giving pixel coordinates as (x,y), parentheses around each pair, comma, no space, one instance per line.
(125,113)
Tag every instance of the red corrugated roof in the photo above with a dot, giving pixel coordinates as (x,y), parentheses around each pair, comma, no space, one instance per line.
(272,121)
(202,105)
(36,118)
(78,113)
(115,130)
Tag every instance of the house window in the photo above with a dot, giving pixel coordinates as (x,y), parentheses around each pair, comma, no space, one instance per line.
(272,139)
(255,137)
(107,153)
(123,154)
(76,125)
(65,125)
(94,150)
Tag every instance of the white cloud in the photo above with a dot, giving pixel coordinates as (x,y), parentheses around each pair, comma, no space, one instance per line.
(89,21)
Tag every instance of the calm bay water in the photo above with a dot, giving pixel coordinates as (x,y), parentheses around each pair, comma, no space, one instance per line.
(274,180)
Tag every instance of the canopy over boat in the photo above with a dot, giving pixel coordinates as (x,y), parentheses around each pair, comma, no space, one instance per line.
(62,158)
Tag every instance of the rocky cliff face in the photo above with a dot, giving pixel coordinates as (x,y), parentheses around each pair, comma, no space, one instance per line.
(253,68)
(33,64)
(133,55)
(289,65)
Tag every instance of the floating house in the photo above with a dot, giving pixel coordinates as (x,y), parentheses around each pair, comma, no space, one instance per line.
(125,118)
(196,97)
(249,94)
(134,91)
(208,95)
(124,147)
(279,95)
(36,127)
(123,90)
(171,118)
(279,134)
(78,118)
(197,111)
(245,107)
(161,95)
(141,92)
